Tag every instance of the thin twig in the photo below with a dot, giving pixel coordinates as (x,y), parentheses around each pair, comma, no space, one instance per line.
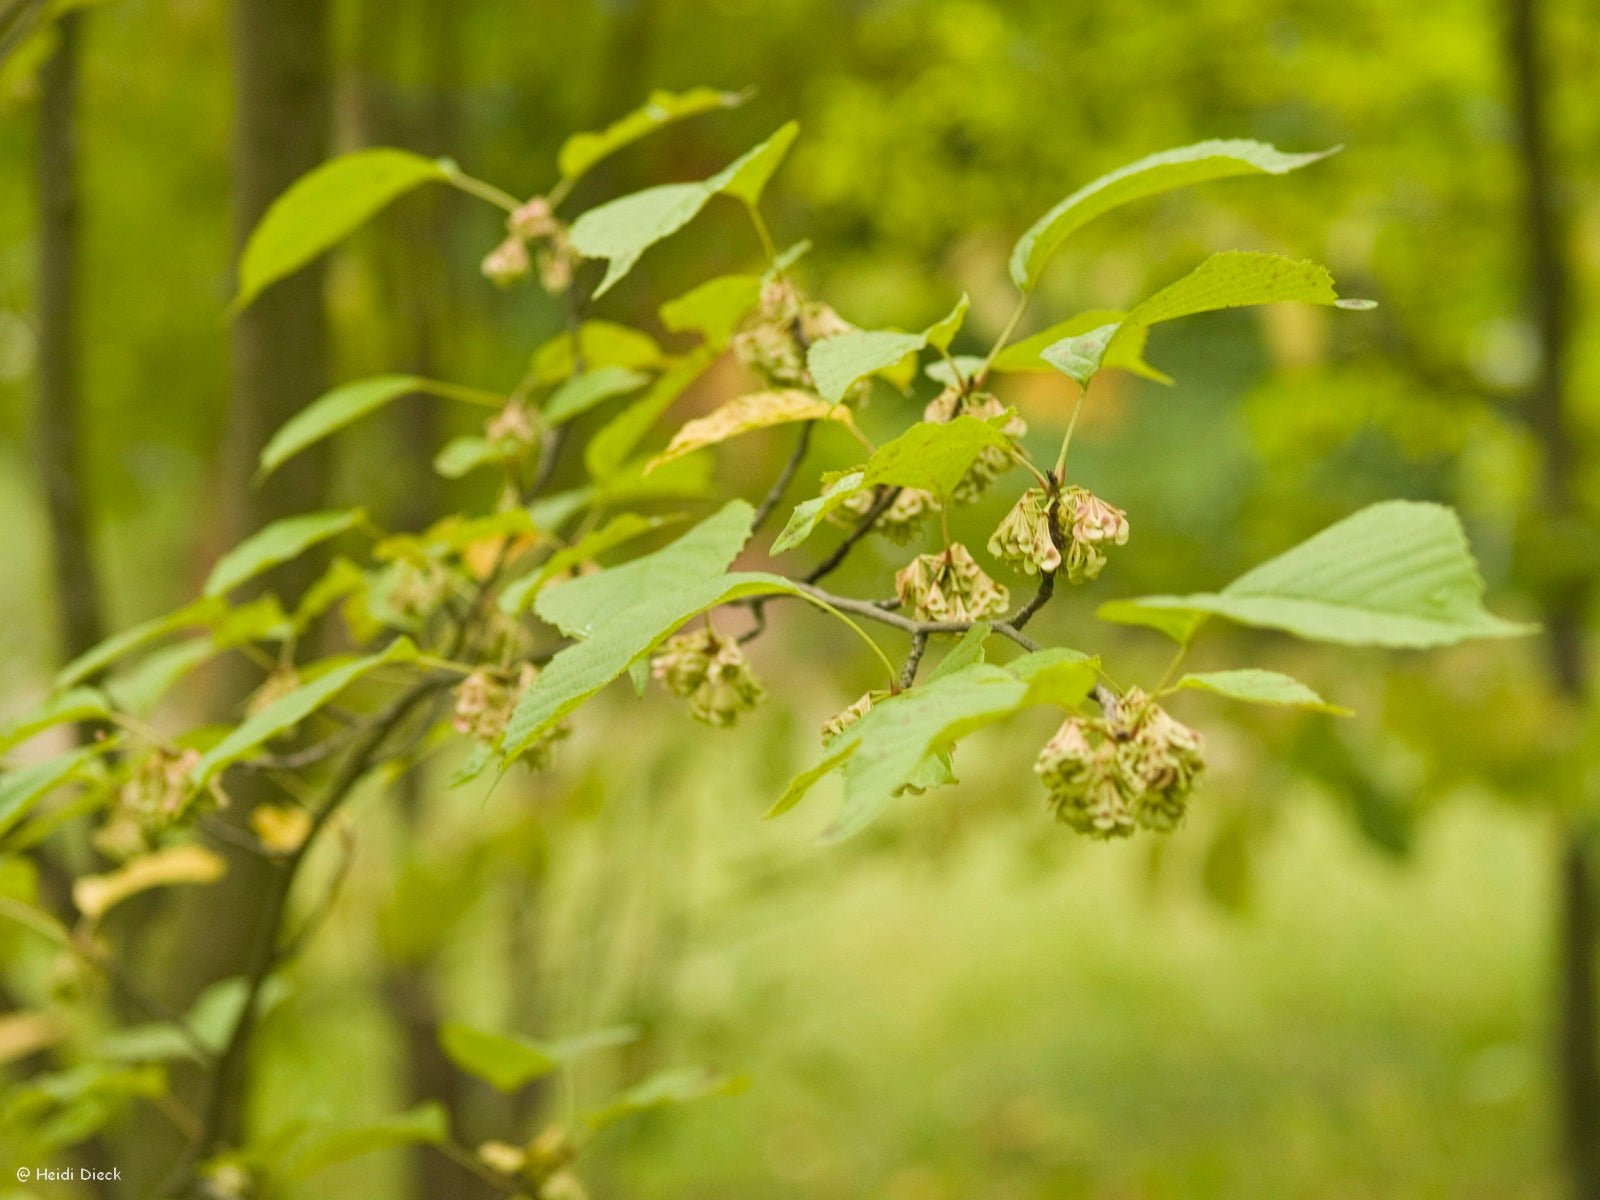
(908,676)
(786,476)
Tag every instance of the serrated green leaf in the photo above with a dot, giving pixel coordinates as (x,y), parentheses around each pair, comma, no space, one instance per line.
(325,206)
(584,605)
(1396,574)
(277,543)
(582,150)
(838,362)
(510,1061)
(23,788)
(929,455)
(71,706)
(290,709)
(620,529)
(603,344)
(623,229)
(1150,176)
(967,652)
(614,441)
(427,1124)
(582,392)
(580,671)
(713,309)
(332,412)
(746,414)
(1231,279)
(1255,686)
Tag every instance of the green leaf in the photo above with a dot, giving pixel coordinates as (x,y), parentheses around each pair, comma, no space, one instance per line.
(582,392)
(746,414)
(1149,176)
(331,413)
(623,229)
(613,442)
(624,527)
(714,309)
(1231,279)
(290,709)
(603,343)
(463,455)
(582,150)
(660,1091)
(277,543)
(76,704)
(968,651)
(323,207)
(1398,574)
(1126,354)
(97,658)
(1254,686)
(21,789)
(509,1061)
(929,455)
(1176,623)
(837,362)
(427,1124)
(581,606)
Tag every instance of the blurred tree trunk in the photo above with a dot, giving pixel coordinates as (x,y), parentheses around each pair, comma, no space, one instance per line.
(278,346)
(59,420)
(1567,597)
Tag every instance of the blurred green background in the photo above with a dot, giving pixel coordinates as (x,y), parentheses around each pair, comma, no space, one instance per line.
(1336,981)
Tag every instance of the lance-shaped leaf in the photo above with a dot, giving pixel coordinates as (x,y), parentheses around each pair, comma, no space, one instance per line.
(1149,176)
(625,228)
(660,1091)
(1178,624)
(95,895)
(745,414)
(22,789)
(582,392)
(1231,279)
(611,445)
(75,704)
(290,709)
(582,150)
(1255,686)
(839,361)
(277,543)
(508,1061)
(325,206)
(427,1124)
(343,405)
(203,612)
(1397,574)
(930,456)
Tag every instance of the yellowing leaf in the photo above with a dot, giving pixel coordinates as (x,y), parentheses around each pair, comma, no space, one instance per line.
(743,414)
(96,895)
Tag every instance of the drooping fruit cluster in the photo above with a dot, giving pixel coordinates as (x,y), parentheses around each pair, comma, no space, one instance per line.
(900,521)
(157,796)
(711,672)
(1132,767)
(534,225)
(1037,537)
(949,585)
(774,341)
(485,701)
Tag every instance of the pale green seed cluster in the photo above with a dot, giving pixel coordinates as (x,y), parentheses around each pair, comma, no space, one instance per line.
(533,235)
(1024,538)
(1133,767)
(949,586)
(711,672)
(1088,525)
(773,343)
(901,520)
(157,797)
(485,701)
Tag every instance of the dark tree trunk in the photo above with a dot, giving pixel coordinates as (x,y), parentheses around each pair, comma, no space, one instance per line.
(1567,600)
(59,420)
